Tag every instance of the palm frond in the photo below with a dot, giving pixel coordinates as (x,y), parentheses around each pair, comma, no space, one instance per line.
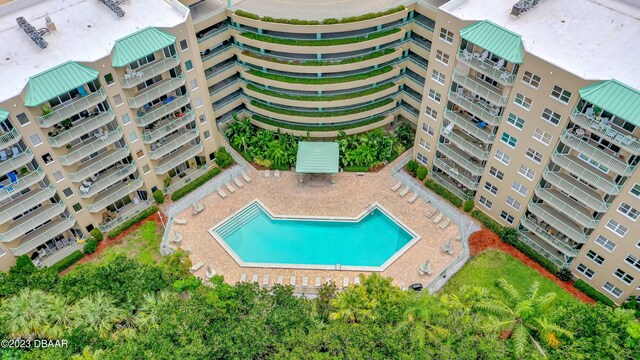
(512,293)
(520,339)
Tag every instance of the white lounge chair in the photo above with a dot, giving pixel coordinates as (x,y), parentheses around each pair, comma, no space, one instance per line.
(246,177)
(230,188)
(395,187)
(280,280)
(457,237)
(222,193)
(254,278)
(431,212)
(180,221)
(177,237)
(267,173)
(327,280)
(265,280)
(448,247)
(413,198)
(318,281)
(238,182)
(197,208)
(276,174)
(196,267)
(425,268)
(356,280)
(210,273)
(305,281)
(243,277)
(292,280)
(445,223)
(345,282)
(438,218)
(404,192)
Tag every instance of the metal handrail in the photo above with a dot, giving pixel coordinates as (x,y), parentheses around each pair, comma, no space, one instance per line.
(188,153)
(155,91)
(215,33)
(464,144)
(108,180)
(546,253)
(457,175)
(163,110)
(460,160)
(25,203)
(568,208)
(173,123)
(504,77)
(90,124)
(15,162)
(478,88)
(550,239)
(626,141)
(471,128)
(148,71)
(22,183)
(103,163)
(395,26)
(118,191)
(537,210)
(91,147)
(174,142)
(596,154)
(33,220)
(591,201)
(43,235)
(586,172)
(125,216)
(71,107)
(7,139)
(475,109)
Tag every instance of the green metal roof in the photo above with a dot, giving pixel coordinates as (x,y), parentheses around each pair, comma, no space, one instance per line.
(3,114)
(317,157)
(615,97)
(140,44)
(57,80)
(496,39)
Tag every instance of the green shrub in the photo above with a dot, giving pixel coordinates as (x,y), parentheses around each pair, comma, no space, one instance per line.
(356,168)
(65,263)
(422,172)
(90,246)
(223,158)
(412,167)
(320,42)
(97,234)
(134,220)
(442,191)
(328,21)
(247,156)
(350,60)
(320,81)
(352,95)
(564,274)
(159,196)
(194,184)
(189,284)
(246,14)
(487,221)
(296,127)
(284,167)
(592,293)
(468,206)
(534,255)
(335,113)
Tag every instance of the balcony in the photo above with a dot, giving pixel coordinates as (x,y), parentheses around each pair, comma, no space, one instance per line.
(558,220)
(32,221)
(7,188)
(91,188)
(470,126)
(450,184)
(462,159)
(538,245)
(15,162)
(185,177)
(457,173)
(123,214)
(98,163)
(465,142)
(166,126)
(10,138)
(83,149)
(154,91)
(172,142)
(488,68)
(604,157)
(25,203)
(470,104)
(608,132)
(59,255)
(70,108)
(586,172)
(42,235)
(545,234)
(114,193)
(183,154)
(577,190)
(148,71)
(80,128)
(481,89)
(566,205)
(160,110)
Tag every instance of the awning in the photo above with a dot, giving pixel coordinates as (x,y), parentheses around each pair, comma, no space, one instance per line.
(616,98)
(317,158)
(3,114)
(56,81)
(498,40)
(140,44)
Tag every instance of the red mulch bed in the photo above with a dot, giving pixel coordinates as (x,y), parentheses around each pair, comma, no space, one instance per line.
(117,240)
(485,239)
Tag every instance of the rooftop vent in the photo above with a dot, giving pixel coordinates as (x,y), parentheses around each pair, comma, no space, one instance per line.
(34,34)
(523,6)
(114,5)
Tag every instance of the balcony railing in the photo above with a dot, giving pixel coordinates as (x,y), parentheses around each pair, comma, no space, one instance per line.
(424,46)
(163,110)
(214,92)
(107,179)
(115,193)
(558,221)
(10,138)
(155,91)
(488,68)
(148,71)
(125,214)
(475,109)
(215,33)
(32,221)
(86,126)
(456,174)
(527,239)
(544,234)
(15,162)
(216,52)
(70,108)
(564,204)
(59,254)
(42,235)
(99,163)
(595,153)
(167,126)
(218,71)
(465,145)
(9,188)
(467,124)
(177,158)
(625,141)
(448,183)
(586,172)
(173,142)
(480,89)
(461,158)
(83,150)
(25,203)
(191,174)
(577,190)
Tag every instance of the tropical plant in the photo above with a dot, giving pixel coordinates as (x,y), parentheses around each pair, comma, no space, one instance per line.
(418,320)
(28,315)
(98,313)
(353,305)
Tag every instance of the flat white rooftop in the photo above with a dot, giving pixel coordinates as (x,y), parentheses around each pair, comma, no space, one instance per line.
(593,39)
(86,32)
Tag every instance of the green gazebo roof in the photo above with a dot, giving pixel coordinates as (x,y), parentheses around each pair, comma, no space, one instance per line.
(615,97)
(57,80)
(317,158)
(496,39)
(140,44)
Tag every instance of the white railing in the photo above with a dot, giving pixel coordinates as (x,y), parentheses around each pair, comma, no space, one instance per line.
(107,179)
(456,174)
(95,145)
(70,108)
(470,127)
(148,71)
(163,110)
(26,202)
(155,91)
(597,154)
(178,158)
(173,123)
(475,109)
(465,145)
(114,193)
(10,138)
(173,142)
(22,183)
(587,173)
(548,238)
(128,214)
(447,183)
(544,252)
(488,68)
(215,33)
(43,234)
(32,221)
(461,160)
(595,203)
(554,220)
(478,88)
(98,163)
(15,162)
(177,182)
(567,206)
(624,140)
(79,129)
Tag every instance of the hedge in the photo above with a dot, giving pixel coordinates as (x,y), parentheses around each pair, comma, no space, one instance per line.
(487,221)
(90,246)
(352,95)
(65,263)
(223,157)
(309,128)
(442,191)
(534,255)
(468,206)
(592,292)
(356,168)
(355,110)
(180,193)
(158,195)
(329,21)
(320,42)
(421,172)
(134,220)
(412,167)
(97,234)
(279,167)
(321,81)
(352,60)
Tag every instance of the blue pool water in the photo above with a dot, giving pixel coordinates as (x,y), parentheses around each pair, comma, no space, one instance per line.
(257,238)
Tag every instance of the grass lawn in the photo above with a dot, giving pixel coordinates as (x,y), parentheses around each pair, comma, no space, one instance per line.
(486,268)
(142,245)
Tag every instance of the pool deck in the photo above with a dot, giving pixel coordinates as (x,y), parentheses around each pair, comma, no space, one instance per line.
(348,197)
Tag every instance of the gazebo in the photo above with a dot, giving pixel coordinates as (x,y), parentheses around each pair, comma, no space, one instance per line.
(317,158)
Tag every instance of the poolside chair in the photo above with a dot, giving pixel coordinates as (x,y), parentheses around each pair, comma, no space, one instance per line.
(395,187)
(180,221)
(318,281)
(243,277)
(197,208)
(185,249)
(345,282)
(254,278)
(196,267)
(457,237)
(222,193)
(292,280)
(413,198)
(230,188)
(280,280)
(210,273)
(276,174)
(404,192)
(305,281)
(267,173)
(246,177)
(431,212)
(445,223)
(238,182)
(327,280)
(448,247)
(438,218)
(177,237)
(265,280)
(356,280)
(425,268)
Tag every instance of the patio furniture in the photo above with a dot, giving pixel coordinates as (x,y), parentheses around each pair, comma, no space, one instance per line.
(3,155)
(177,237)
(395,187)
(305,281)
(438,218)
(209,273)
(431,212)
(243,277)
(506,77)
(589,113)
(222,193)
(280,280)
(445,223)
(180,221)
(230,188)
(327,280)
(276,174)
(265,280)
(458,237)
(197,208)
(499,65)
(345,282)
(15,151)
(246,177)
(413,198)
(466,55)
(267,173)
(83,189)
(318,281)
(86,183)
(238,182)
(292,280)
(254,278)
(196,267)
(447,247)
(404,192)
(425,268)
(13,178)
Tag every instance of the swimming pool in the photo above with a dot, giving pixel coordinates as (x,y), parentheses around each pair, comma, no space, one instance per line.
(371,241)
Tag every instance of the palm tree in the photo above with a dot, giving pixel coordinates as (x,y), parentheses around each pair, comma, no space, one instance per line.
(276,152)
(240,140)
(418,320)
(353,305)
(98,313)
(262,138)
(88,354)
(466,298)
(61,316)
(522,317)
(27,315)
(148,315)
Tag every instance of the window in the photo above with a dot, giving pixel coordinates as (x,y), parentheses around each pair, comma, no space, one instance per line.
(35,139)
(442,57)
(635,190)
(126,119)
(483,200)
(198,102)
(531,79)
(146,169)
(509,140)
(23,119)
(513,203)
(428,129)
(434,95)
(633,261)
(77,207)
(431,113)
(490,188)
(526,172)
(109,79)
(207,134)
(560,94)
(585,271)
(140,154)
(132,136)
(117,99)
(522,101)
(184,45)
(188,65)
(438,77)
(595,257)
(47,158)
(496,173)
(425,145)
(507,217)
(422,159)
(605,243)
(57,176)
(203,119)
(628,211)
(612,289)
(446,35)
(516,121)
(551,116)
(521,189)
(616,228)
(622,275)
(542,136)
(194,84)
(502,157)
(67,192)
(534,155)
